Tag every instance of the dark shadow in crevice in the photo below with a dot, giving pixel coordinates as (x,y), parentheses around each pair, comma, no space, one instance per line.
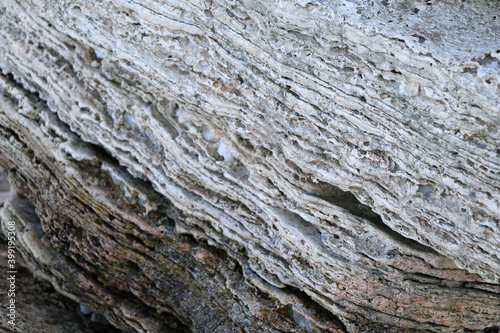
(319,311)
(349,202)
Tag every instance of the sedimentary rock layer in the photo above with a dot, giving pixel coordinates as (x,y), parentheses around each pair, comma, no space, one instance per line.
(254,166)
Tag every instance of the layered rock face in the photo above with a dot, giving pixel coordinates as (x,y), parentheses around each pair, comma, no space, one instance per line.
(257,166)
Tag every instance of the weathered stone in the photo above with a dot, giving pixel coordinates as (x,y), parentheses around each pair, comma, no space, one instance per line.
(257,166)
(39,308)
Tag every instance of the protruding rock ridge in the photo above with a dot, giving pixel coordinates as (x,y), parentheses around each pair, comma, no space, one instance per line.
(258,166)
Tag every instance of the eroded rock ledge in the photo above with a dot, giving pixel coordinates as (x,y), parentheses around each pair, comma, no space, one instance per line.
(277,166)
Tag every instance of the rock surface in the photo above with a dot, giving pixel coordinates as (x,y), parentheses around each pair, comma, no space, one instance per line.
(277,166)
(40,308)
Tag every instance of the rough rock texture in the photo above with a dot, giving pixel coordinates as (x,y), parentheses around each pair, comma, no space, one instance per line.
(258,166)
(40,308)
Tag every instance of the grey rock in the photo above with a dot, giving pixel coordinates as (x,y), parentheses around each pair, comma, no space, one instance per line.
(258,166)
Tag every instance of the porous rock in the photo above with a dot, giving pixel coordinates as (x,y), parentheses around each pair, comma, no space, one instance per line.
(257,166)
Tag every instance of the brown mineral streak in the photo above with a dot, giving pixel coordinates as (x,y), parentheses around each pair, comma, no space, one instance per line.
(274,166)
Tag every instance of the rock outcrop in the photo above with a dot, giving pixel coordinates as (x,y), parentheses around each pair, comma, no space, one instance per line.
(257,166)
